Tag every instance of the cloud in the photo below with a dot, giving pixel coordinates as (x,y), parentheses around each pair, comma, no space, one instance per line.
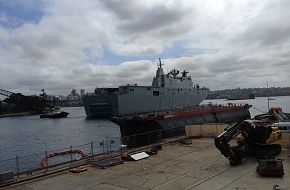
(270,26)
(59,45)
(147,28)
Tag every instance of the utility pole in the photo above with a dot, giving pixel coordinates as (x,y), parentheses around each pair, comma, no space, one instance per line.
(268,97)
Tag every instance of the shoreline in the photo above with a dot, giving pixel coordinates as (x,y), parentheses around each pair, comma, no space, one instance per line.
(19,114)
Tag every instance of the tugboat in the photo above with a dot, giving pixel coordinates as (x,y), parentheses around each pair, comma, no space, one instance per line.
(55,114)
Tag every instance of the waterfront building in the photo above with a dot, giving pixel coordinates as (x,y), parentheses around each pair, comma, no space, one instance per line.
(82,92)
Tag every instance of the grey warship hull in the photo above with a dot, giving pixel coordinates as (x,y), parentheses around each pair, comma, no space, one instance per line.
(111,105)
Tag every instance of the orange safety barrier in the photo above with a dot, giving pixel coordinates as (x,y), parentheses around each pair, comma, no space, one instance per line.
(44,160)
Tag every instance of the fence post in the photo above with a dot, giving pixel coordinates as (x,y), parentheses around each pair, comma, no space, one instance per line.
(111,142)
(46,167)
(171,134)
(17,166)
(107,146)
(102,145)
(135,139)
(110,145)
(148,138)
(92,148)
(71,156)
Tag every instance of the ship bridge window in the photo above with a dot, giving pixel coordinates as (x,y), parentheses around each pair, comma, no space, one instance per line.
(155,93)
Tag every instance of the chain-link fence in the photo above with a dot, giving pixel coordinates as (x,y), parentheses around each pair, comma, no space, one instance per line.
(152,137)
(47,161)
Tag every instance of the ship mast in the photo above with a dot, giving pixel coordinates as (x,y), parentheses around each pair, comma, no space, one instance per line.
(159,64)
(157,80)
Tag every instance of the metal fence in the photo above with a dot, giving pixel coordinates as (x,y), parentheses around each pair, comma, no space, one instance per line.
(30,165)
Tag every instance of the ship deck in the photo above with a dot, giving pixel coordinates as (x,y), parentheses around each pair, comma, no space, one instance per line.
(182,112)
(177,166)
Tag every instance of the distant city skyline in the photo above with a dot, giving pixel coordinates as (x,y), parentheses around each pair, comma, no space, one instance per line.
(61,45)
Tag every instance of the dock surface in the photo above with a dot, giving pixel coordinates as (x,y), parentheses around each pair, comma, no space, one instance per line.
(197,166)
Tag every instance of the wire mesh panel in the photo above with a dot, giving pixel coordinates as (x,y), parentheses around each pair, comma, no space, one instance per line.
(99,147)
(50,160)
(56,157)
(30,162)
(9,165)
(84,148)
(113,144)
(152,137)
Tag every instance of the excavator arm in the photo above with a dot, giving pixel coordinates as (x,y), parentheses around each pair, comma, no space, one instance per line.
(235,154)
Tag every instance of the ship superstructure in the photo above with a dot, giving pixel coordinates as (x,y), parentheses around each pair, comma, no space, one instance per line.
(168,91)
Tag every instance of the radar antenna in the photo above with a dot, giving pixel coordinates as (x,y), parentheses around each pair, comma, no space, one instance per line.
(174,73)
(184,73)
(159,64)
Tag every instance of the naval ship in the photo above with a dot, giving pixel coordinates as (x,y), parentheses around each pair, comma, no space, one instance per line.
(168,91)
(145,113)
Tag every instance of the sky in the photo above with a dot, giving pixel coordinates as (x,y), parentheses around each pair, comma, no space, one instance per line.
(58,45)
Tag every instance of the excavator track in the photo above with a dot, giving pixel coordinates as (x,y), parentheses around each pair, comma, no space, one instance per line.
(263,151)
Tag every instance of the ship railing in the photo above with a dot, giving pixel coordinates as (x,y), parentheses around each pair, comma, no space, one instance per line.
(29,165)
(201,108)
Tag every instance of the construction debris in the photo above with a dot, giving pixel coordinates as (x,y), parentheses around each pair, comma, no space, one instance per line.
(106,162)
(78,169)
(270,167)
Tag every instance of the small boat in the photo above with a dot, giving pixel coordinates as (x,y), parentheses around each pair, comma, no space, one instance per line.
(55,114)
(242,97)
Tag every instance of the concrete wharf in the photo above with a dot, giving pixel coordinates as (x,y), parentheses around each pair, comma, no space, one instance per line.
(178,166)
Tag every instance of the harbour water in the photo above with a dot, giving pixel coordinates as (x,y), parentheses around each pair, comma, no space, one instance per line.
(29,134)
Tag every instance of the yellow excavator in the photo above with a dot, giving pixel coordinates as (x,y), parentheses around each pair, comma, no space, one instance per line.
(252,139)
